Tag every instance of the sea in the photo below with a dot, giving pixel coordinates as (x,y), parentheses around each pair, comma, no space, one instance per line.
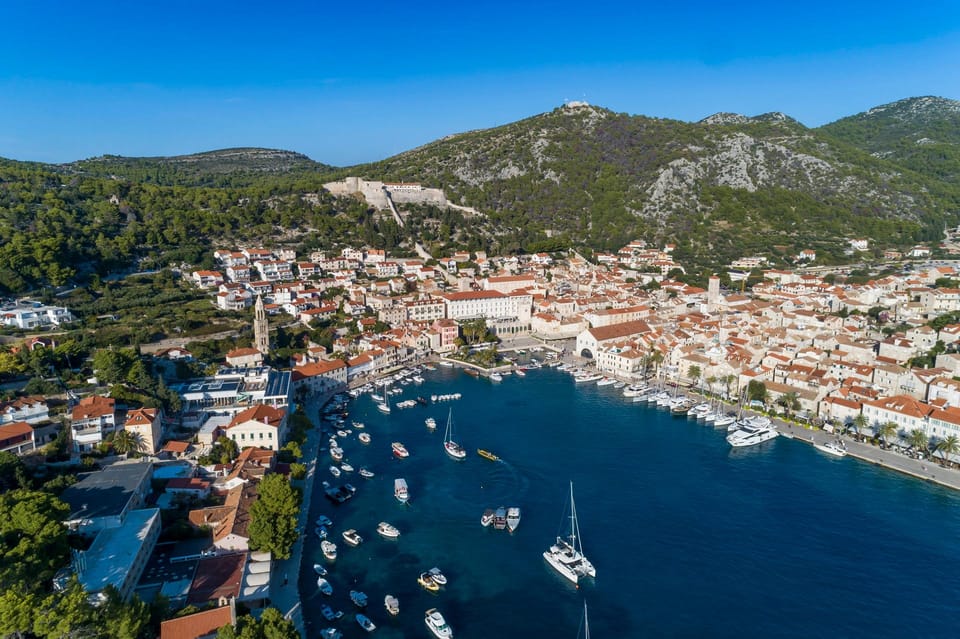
(689,537)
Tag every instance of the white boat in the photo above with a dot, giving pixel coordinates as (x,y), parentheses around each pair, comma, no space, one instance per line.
(453,449)
(364,438)
(387,530)
(336,453)
(748,435)
(324,586)
(345,467)
(724,420)
(375,397)
(496,377)
(352,537)
(832,447)
(587,377)
(430,422)
(521,372)
(365,622)
(399,450)
(400,490)
(330,633)
(513,518)
(487,518)
(367,474)
(566,555)
(606,381)
(384,407)
(437,575)
(329,549)
(392,604)
(320,570)
(334,471)
(437,625)
(445,363)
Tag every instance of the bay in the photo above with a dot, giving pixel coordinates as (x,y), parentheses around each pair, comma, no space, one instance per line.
(690,538)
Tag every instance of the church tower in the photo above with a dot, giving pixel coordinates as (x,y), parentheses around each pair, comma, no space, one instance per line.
(261,328)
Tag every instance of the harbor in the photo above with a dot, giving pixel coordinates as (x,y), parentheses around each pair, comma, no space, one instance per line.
(631,464)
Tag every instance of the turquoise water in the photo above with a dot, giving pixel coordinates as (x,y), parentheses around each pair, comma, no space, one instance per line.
(689,537)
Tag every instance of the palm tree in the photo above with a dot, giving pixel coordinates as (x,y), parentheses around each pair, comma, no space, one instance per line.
(728,380)
(947,448)
(918,440)
(859,423)
(885,431)
(789,401)
(694,373)
(126,441)
(710,383)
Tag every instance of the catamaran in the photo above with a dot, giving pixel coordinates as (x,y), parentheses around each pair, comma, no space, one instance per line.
(566,555)
(453,449)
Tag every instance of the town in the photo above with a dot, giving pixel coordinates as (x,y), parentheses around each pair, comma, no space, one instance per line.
(811,345)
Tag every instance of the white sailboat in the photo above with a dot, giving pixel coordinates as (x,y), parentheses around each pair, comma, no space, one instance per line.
(566,555)
(453,449)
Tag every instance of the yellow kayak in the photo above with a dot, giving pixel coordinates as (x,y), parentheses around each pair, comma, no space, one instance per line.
(487,454)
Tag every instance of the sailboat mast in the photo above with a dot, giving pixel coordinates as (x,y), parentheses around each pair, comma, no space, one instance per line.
(574,526)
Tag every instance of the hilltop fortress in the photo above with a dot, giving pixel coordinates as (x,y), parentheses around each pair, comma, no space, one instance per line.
(383,195)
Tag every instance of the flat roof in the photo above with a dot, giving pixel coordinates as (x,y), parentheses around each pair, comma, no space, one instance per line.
(105,493)
(111,556)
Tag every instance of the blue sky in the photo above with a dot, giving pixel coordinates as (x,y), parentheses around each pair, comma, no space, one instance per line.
(361,81)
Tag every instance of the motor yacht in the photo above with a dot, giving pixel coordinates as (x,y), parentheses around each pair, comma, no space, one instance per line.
(352,537)
(748,435)
(365,622)
(387,530)
(329,549)
(399,450)
(437,575)
(437,625)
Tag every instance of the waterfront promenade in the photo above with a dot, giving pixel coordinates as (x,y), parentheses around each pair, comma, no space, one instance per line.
(285,588)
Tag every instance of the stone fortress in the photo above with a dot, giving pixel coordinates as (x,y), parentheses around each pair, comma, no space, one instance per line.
(384,195)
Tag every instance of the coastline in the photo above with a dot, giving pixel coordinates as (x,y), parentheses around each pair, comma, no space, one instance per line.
(928,470)
(287,595)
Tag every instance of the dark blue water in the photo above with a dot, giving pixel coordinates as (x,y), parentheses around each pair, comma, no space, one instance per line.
(689,537)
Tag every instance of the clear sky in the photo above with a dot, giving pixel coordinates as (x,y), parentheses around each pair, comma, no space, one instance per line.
(360,81)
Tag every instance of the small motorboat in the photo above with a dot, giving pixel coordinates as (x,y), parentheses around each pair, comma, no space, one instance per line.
(358,598)
(336,453)
(487,518)
(437,625)
(387,530)
(352,537)
(345,467)
(366,473)
(500,518)
(486,454)
(329,613)
(334,471)
(323,520)
(364,438)
(324,586)
(329,549)
(392,604)
(437,576)
(320,532)
(365,622)
(330,633)
(427,582)
(513,518)
(430,422)
(320,570)
(359,425)
(399,450)
(833,447)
